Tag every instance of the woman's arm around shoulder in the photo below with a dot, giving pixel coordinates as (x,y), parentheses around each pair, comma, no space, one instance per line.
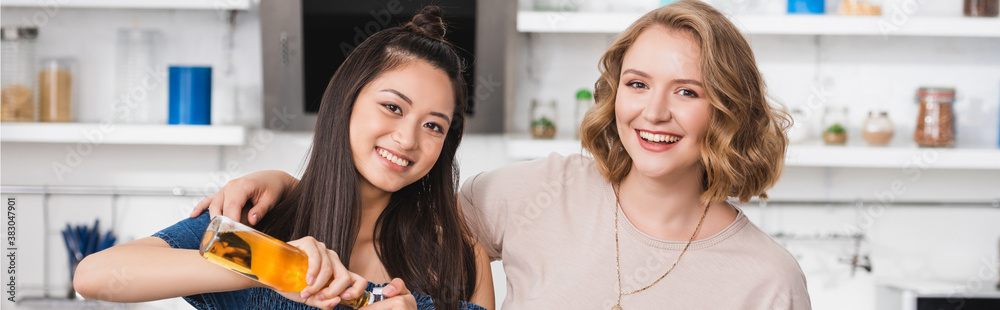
(483,294)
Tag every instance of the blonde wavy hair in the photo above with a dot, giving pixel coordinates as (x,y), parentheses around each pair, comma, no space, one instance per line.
(744,149)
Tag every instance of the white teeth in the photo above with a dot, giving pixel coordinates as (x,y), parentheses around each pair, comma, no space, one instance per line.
(393,158)
(658,137)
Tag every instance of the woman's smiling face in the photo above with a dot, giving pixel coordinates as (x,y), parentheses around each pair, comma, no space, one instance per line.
(399,124)
(661,109)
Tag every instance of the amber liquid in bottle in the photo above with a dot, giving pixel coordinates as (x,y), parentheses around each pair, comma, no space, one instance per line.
(261,257)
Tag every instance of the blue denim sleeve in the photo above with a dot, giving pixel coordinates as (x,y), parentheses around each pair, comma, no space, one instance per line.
(470,306)
(186,234)
(425,302)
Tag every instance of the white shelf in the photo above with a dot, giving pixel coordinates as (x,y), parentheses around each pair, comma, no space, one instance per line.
(574,22)
(122,134)
(813,155)
(136,4)
(586,22)
(903,157)
(870,26)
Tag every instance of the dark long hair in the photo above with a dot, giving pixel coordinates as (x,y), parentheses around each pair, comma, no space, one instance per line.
(420,236)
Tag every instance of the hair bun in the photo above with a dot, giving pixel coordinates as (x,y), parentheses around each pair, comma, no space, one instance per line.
(429,21)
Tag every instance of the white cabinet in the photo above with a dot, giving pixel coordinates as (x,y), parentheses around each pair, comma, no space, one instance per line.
(194,32)
(107,133)
(135,4)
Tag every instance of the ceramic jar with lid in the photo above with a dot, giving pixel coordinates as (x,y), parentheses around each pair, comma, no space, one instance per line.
(877,129)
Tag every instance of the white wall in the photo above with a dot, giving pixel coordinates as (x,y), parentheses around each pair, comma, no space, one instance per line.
(946,242)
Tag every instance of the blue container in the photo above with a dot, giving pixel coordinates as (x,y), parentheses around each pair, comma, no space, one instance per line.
(190,96)
(806,7)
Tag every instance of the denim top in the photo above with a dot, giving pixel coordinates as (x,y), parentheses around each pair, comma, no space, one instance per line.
(187,234)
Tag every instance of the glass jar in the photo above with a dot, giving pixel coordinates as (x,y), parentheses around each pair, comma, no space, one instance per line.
(859,7)
(877,129)
(543,119)
(557,5)
(981,8)
(584,101)
(835,125)
(140,81)
(936,118)
(55,90)
(17,89)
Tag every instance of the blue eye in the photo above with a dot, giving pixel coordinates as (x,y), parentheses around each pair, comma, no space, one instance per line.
(434,127)
(393,108)
(636,84)
(688,92)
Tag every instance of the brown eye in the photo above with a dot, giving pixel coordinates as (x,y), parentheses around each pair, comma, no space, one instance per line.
(393,108)
(434,127)
(636,85)
(688,92)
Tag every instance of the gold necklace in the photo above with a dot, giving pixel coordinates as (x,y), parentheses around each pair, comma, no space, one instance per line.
(618,264)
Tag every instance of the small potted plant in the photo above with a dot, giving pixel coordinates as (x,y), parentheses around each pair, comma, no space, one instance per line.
(835,134)
(543,128)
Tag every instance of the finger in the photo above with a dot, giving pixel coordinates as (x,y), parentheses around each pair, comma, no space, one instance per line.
(395,303)
(215,208)
(232,207)
(319,303)
(333,302)
(341,277)
(312,255)
(396,287)
(359,286)
(264,203)
(201,206)
(325,275)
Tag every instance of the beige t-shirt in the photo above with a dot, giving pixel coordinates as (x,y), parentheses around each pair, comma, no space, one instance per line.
(551,222)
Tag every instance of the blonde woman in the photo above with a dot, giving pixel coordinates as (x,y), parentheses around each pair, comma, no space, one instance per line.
(680,126)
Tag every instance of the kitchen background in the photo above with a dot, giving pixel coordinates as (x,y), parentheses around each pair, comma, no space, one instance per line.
(870,225)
